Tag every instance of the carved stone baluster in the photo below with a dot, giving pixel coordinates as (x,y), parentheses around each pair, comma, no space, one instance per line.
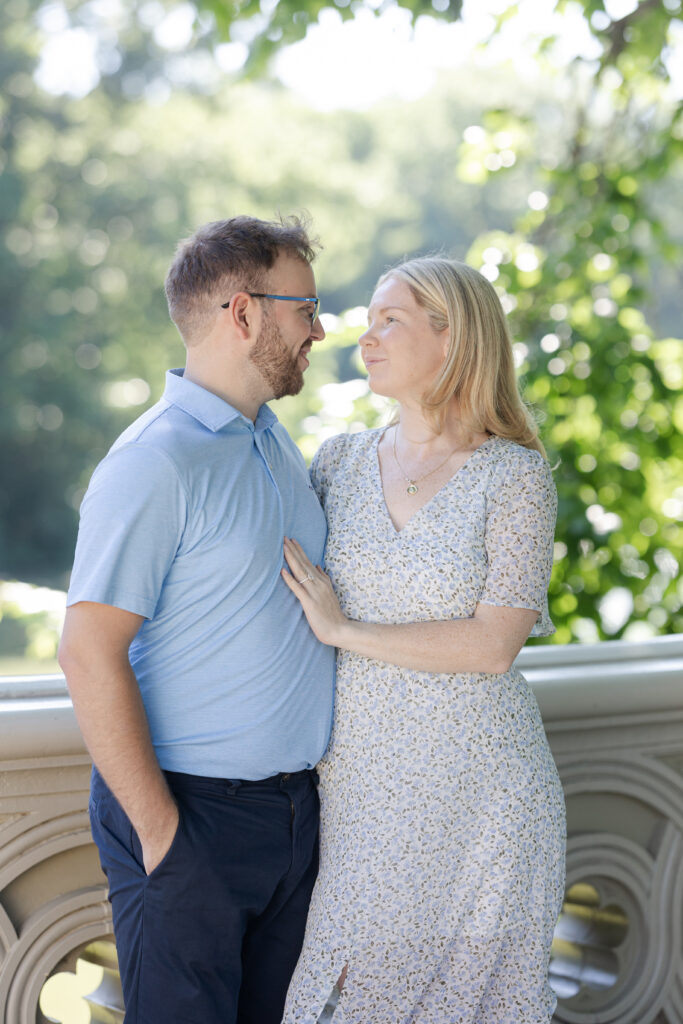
(613,713)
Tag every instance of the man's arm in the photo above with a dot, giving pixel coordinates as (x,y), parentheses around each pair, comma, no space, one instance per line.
(93,654)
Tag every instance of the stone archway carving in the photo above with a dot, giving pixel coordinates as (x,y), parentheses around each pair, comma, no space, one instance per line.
(53,896)
(636,864)
(59,930)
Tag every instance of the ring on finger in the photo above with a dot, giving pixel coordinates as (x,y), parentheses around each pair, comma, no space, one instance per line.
(305,579)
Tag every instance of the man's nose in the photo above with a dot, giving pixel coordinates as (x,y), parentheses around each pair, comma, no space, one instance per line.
(317,330)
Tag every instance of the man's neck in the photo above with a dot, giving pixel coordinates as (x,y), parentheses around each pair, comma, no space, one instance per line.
(236,393)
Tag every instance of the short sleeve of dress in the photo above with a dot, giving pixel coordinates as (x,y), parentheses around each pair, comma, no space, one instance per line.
(521,511)
(132,521)
(325,463)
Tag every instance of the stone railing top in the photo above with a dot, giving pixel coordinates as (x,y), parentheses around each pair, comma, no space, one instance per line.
(32,687)
(605,651)
(612,678)
(37,719)
(572,682)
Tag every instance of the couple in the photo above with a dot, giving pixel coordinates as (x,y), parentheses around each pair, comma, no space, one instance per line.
(199,651)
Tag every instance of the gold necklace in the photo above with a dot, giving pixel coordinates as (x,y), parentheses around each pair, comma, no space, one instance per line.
(412,482)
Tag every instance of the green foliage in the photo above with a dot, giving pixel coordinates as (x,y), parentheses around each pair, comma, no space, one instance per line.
(95,194)
(609,396)
(30,624)
(576,277)
(67,212)
(571,206)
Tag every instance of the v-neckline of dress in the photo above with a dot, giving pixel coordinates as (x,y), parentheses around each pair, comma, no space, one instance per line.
(377,471)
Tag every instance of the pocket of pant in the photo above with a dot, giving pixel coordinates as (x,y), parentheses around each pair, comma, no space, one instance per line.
(170,855)
(112,833)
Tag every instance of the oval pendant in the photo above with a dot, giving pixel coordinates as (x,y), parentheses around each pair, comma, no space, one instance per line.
(412,489)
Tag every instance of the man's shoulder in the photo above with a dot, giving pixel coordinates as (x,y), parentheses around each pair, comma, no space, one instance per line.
(166,433)
(155,428)
(144,456)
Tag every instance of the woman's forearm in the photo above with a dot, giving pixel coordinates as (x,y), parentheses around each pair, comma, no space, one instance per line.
(487,642)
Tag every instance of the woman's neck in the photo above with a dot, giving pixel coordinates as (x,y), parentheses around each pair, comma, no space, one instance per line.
(417,431)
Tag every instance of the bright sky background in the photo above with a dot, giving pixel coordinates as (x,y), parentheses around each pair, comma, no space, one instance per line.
(345,64)
(370,58)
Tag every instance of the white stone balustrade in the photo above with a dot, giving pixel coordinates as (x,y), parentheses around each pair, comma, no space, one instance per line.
(613,713)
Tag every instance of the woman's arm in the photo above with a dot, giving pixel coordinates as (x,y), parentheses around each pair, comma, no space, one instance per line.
(489,641)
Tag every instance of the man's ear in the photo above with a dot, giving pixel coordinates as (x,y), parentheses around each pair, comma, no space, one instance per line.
(242,314)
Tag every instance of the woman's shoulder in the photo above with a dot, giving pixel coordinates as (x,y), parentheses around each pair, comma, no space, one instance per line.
(336,454)
(511,461)
(512,454)
(343,446)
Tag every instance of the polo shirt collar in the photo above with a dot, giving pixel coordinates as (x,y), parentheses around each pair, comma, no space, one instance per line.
(264,418)
(211,411)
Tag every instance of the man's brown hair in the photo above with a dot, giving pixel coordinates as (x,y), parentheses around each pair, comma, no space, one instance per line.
(225,256)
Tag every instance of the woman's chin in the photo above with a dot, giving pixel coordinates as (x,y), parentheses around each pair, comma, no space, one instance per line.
(379,387)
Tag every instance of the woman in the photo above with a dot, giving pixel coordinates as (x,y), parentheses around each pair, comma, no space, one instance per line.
(442,837)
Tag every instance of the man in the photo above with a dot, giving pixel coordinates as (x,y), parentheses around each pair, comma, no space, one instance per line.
(203,696)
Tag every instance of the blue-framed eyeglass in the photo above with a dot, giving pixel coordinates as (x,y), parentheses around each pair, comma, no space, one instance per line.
(286,298)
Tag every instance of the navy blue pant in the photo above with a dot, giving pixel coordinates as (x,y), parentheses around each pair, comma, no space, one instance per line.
(213,933)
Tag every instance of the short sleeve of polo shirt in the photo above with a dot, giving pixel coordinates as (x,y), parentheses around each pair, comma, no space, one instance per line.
(132,521)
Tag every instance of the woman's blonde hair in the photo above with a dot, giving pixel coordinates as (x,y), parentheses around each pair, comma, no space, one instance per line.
(479,368)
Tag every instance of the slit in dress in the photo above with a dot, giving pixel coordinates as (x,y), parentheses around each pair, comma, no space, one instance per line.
(330,1006)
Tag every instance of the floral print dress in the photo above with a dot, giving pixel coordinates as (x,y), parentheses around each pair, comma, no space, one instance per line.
(442,815)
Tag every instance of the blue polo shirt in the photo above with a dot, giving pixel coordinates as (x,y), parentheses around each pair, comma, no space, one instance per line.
(183,523)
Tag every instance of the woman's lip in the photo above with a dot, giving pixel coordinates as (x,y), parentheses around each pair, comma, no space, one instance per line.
(372,362)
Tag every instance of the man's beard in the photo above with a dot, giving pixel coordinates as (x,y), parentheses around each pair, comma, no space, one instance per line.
(278,367)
